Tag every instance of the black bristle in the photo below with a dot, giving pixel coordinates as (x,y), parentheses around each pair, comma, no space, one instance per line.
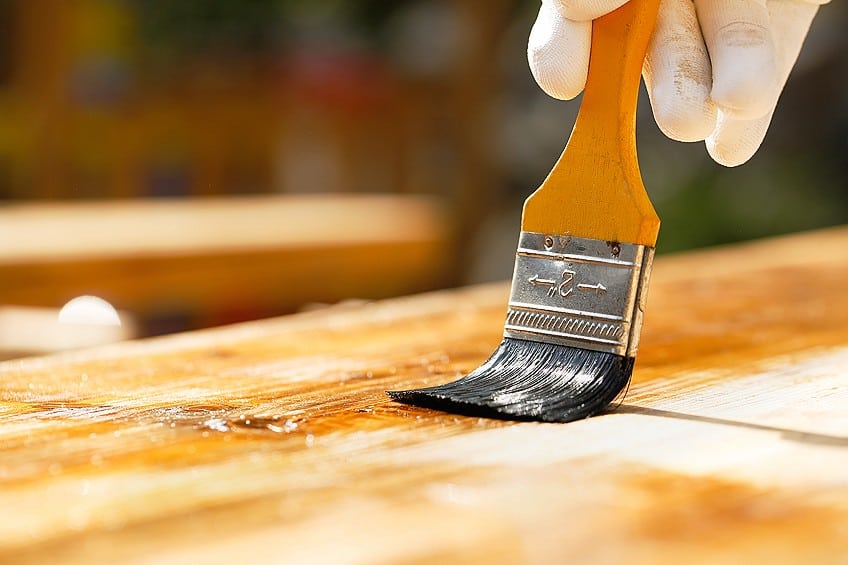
(528,380)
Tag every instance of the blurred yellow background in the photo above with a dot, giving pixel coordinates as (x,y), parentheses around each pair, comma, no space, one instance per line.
(193,138)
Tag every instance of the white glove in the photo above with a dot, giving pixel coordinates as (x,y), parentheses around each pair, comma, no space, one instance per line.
(714,68)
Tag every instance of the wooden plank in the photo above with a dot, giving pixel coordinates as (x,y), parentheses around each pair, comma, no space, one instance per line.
(273,441)
(268,253)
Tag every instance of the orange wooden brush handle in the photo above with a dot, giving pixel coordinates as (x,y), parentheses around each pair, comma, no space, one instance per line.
(595,190)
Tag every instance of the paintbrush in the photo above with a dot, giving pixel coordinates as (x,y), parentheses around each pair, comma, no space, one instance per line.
(583,260)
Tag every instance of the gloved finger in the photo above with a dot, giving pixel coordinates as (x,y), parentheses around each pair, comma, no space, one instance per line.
(734,141)
(585,10)
(738,37)
(790,22)
(558,52)
(678,75)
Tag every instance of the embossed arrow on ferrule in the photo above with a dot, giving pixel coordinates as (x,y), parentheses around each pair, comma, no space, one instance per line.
(536,281)
(599,288)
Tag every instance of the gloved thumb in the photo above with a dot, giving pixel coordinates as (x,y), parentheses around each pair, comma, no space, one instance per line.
(558,52)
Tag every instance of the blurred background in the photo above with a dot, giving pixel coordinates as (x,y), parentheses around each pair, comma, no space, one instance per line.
(201,162)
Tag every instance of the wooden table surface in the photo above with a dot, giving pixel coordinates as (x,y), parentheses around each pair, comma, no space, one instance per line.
(273,441)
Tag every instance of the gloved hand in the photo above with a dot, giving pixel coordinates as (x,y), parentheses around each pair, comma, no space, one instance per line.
(714,68)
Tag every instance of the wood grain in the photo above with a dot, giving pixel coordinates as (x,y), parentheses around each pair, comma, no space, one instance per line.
(273,442)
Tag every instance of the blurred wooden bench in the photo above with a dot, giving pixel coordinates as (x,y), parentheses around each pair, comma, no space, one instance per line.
(274,442)
(181,264)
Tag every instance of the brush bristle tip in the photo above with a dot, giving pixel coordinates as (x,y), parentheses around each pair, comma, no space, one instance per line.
(528,380)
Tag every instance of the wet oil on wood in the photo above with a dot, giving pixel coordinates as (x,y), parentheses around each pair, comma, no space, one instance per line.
(274,441)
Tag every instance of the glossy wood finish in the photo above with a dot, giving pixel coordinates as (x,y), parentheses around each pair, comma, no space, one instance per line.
(595,190)
(274,442)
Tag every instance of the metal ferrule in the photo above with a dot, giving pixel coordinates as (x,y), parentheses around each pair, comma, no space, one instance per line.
(579,292)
